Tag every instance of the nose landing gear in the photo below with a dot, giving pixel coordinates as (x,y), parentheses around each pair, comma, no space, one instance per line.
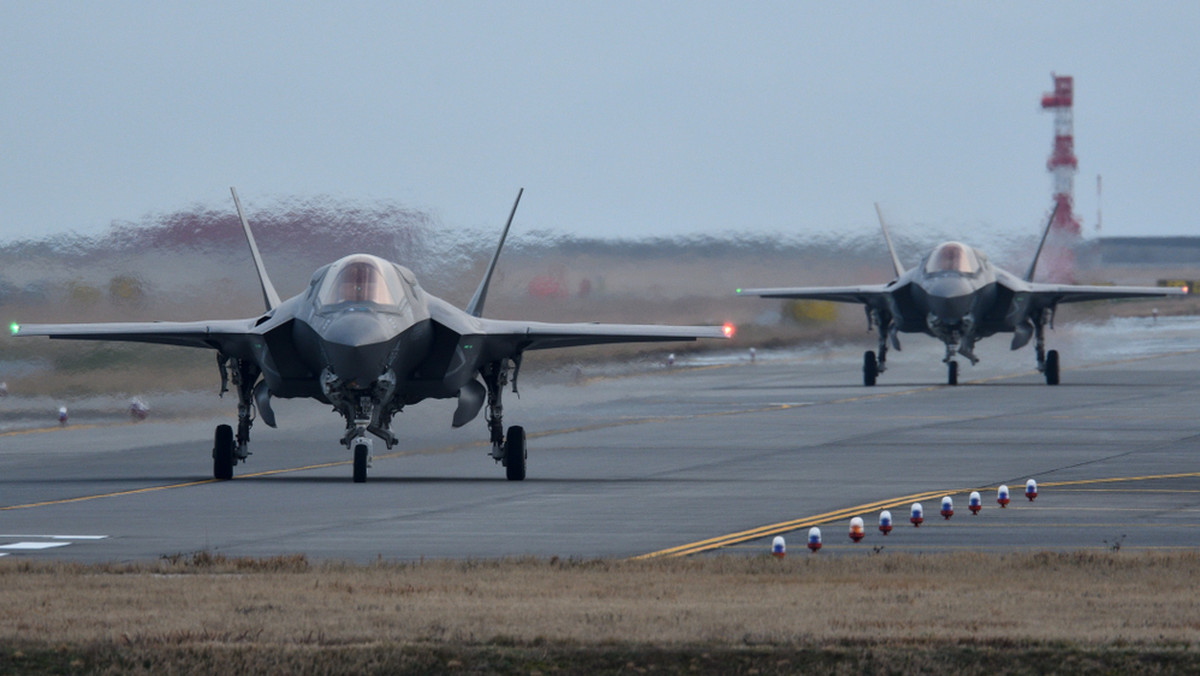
(362,459)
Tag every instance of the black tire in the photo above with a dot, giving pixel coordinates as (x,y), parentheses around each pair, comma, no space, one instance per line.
(514,453)
(360,463)
(1052,367)
(870,368)
(223,453)
(952,368)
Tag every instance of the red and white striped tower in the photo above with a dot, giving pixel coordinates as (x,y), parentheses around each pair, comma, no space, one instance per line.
(1063,164)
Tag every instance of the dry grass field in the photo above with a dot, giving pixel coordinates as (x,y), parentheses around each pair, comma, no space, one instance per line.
(960,613)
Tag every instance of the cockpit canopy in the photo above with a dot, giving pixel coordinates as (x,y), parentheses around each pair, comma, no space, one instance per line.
(361,279)
(953,257)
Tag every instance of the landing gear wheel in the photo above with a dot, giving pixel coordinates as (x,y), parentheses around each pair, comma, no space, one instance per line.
(223,453)
(952,377)
(360,463)
(1052,367)
(514,453)
(870,368)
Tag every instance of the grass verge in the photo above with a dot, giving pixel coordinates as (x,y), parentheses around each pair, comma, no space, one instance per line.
(961,613)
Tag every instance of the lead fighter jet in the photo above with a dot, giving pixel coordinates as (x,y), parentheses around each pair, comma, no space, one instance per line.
(957,296)
(366,338)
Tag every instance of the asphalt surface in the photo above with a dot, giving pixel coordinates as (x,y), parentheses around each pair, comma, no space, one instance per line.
(714,455)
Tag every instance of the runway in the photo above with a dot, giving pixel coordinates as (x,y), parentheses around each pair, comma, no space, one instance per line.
(716,455)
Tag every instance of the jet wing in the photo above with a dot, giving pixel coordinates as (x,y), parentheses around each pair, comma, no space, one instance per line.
(544,335)
(512,336)
(867,295)
(225,335)
(1052,294)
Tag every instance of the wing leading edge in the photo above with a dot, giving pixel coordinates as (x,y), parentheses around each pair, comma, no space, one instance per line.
(218,334)
(514,336)
(545,335)
(866,294)
(1053,294)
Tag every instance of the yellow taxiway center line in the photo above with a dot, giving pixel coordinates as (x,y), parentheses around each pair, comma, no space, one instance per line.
(1148,477)
(60,428)
(829,517)
(786,526)
(118,494)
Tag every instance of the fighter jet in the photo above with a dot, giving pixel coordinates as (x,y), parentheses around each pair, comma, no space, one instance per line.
(957,296)
(367,339)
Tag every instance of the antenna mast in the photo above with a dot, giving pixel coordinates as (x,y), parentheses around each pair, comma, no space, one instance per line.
(1065,229)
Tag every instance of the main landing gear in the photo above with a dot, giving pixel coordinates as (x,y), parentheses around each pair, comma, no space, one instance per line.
(223,458)
(515,454)
(508,450)
(1049,367)
(1047,362)
(872,366)
(229,450)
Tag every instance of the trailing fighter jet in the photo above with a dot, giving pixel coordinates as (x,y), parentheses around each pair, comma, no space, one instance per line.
(366,338)
(957,296)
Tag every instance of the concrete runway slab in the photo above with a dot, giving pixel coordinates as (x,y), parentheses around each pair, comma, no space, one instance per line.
(715,455)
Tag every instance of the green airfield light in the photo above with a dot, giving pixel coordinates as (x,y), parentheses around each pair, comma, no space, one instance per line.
(15,328)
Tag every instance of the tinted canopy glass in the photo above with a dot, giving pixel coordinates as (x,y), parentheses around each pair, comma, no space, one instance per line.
(953,257)
(361,279)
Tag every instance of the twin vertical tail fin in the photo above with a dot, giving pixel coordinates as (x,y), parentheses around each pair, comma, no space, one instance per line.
(888,238)
(270,296)
(1045,233)
(475,307)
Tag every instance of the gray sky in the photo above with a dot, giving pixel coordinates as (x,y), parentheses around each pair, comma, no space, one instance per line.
(619,118)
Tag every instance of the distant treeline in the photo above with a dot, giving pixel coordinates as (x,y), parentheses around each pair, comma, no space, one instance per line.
(332,227)
(298,235)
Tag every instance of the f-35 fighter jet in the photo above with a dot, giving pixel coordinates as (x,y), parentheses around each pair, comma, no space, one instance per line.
(957,296)
(366,338)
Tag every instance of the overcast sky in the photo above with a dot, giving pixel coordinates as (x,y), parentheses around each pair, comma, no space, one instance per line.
(619,118)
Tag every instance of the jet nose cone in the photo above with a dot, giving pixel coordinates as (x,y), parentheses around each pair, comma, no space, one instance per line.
(950,298)
(357,346)
(355,329)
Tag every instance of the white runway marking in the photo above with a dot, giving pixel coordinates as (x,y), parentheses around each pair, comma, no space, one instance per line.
(36,543)
(55,537)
